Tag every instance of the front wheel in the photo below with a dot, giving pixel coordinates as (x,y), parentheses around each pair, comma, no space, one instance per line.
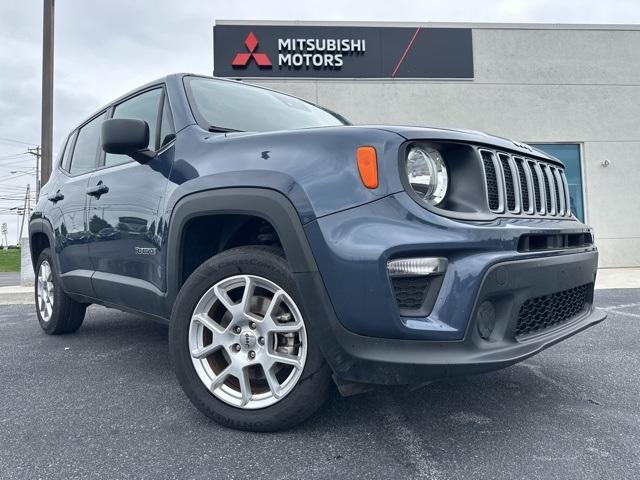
(241,345)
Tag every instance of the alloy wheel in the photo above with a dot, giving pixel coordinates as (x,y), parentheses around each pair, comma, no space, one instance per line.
(44,290)
(248,341)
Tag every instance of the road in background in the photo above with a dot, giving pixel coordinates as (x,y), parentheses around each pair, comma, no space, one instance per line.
(103,403)
(8,279)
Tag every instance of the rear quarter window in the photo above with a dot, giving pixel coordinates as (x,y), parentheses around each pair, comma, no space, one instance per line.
(85,153)
(66,156)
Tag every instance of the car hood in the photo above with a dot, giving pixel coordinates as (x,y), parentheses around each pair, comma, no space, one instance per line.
(469,136)
(428,133)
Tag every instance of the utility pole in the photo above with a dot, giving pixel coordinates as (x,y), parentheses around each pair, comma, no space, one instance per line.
(19,212)
(47,89)
(25,211)
(4,231)
(36,152)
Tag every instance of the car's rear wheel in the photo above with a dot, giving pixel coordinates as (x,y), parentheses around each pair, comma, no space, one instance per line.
(57,313)
(241,346)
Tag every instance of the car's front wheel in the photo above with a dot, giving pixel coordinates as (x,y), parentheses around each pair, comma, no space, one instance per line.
(241,345)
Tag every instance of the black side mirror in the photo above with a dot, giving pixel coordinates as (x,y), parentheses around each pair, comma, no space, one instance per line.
(126,136)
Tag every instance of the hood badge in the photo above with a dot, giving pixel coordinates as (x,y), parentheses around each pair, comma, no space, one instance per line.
(522,145)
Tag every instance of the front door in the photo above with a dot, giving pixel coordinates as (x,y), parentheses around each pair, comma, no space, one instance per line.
(126,202)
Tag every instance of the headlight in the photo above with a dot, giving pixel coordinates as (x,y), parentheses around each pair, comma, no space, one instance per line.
(427,174)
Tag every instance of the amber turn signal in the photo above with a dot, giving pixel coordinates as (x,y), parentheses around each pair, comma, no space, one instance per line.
(368,166)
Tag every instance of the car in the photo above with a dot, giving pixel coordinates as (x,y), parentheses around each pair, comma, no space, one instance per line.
(291,252)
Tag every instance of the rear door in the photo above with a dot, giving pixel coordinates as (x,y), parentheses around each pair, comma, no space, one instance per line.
(68,215)
(126,201)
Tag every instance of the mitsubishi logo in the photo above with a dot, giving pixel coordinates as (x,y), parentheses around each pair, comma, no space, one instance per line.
(241,60)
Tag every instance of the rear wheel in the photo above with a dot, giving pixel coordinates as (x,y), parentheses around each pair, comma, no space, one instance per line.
(241,345)
(57,313)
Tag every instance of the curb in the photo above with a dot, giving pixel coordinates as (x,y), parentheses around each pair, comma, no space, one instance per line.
(16,295)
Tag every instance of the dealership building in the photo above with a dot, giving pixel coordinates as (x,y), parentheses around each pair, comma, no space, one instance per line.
(571,90)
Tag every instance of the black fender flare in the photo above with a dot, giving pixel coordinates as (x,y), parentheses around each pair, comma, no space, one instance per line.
(41,225)
(264,203)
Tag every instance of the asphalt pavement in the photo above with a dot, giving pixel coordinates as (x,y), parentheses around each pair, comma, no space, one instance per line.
(103,403)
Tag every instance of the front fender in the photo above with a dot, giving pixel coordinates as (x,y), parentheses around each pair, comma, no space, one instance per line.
(315,169)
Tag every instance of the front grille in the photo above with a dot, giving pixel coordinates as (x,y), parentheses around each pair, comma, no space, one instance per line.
(540,313)
(410,291)
(519,185)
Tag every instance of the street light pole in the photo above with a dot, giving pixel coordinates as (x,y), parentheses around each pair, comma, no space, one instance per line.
(47,89)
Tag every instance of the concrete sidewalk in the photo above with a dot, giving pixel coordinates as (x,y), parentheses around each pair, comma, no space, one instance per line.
(607,278)
(16,294)
(618,278)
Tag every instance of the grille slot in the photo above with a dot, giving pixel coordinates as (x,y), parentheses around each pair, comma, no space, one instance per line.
(524,186)
(559,187)
(567,198)
(491,176)
(547,190)
(537,190)
(554,241)
(538,314)
(510,186)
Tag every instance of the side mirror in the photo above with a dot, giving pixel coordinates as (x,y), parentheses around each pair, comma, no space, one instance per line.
(126,136)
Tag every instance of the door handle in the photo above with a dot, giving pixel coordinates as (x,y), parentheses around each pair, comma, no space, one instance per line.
(98,190)
(55,197)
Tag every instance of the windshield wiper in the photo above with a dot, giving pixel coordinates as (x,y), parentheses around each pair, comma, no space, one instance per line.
(215,129)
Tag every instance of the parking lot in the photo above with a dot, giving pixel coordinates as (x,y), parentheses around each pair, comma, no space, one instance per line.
(103,403)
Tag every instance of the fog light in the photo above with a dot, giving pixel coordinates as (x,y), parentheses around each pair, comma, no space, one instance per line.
(411,267)
(486,319)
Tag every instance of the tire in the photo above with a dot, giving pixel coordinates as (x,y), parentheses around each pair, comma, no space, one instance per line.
(308,383)
(57,313)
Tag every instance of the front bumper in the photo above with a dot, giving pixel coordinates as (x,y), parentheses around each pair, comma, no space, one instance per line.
(386,361)
(355,316)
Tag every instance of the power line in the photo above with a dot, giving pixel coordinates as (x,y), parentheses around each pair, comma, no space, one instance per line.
(11,140)
(17,175)
(13,155)
(10,190)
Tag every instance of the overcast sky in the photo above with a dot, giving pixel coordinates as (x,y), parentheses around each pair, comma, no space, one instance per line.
(104,48)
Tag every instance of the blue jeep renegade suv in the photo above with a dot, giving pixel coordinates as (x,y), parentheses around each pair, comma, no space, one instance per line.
(290,251)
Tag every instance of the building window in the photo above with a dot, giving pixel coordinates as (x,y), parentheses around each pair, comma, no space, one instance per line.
(569,154)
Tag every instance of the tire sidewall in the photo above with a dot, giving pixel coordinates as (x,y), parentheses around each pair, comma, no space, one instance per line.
(263,262)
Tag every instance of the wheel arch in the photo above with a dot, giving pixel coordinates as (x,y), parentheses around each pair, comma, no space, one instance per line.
(269,205)
(40,237)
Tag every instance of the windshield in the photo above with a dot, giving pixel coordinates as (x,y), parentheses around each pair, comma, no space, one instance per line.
(228,105)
